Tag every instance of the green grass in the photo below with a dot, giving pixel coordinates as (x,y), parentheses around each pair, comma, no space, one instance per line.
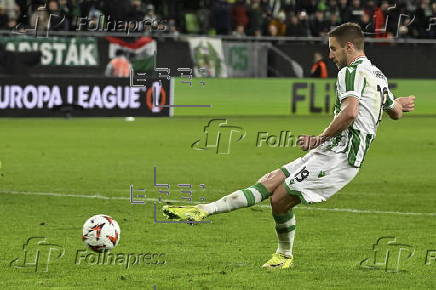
(87,157)
(105,156)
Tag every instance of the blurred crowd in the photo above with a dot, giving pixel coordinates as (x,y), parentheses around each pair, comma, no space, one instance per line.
(303,18)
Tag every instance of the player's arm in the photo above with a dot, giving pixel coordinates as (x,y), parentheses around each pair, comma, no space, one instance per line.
(396,112)
(349,112)
(351,82)
(399,105)
(403,104)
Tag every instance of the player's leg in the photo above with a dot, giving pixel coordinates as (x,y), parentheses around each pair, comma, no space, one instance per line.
(238,199)
(281,204)
(319,176)
(247,197)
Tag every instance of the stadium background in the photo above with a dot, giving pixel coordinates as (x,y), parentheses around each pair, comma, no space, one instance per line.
(250,64)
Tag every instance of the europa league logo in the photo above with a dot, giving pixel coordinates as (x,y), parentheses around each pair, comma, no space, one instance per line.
(156,97)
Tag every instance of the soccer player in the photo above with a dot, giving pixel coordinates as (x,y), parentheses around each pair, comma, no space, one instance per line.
(335,155)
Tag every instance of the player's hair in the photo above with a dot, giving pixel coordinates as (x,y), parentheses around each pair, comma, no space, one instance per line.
(348,32)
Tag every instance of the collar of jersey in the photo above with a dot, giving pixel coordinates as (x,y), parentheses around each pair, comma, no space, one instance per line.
(359,58)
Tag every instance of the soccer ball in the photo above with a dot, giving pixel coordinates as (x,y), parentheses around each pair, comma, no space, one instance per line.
(101,233)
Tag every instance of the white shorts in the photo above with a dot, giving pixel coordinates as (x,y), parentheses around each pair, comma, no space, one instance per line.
(318,175)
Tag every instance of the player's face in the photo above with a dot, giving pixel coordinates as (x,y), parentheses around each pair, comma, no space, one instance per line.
(337,53)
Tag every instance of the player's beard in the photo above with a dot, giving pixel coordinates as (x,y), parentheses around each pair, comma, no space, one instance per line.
(338,65)
(342,62)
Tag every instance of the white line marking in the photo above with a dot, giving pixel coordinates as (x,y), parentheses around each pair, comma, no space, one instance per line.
(99,196)
(352,210)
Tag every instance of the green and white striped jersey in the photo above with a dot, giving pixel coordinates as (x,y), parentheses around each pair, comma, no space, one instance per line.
(364,81)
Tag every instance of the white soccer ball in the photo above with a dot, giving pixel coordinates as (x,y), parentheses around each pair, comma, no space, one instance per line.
(101,233)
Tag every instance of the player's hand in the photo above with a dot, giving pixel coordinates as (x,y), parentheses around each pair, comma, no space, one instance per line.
(307,142)
(408,103)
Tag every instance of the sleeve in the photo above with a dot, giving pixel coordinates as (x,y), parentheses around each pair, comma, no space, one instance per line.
(351,82)
(389,103)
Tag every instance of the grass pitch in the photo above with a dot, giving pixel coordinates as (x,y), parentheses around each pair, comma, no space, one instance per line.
(56,173)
